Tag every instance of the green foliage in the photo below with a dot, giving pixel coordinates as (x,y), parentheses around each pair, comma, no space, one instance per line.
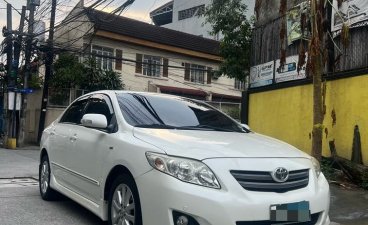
(327,169)
(228,18)
(365,180)
(233,113)
(70,73)
(35,82)
(99,79)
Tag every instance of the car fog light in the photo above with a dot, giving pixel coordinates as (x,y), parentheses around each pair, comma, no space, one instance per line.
(182,220)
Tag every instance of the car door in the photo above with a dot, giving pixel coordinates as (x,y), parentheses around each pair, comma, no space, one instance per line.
(60,142)
(89,147)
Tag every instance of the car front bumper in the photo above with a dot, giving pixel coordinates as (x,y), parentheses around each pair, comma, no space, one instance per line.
(161,194)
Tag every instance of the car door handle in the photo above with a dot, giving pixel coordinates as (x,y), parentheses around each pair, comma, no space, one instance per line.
(53,132)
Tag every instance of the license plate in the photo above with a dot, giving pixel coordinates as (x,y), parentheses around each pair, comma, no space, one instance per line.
(291,212)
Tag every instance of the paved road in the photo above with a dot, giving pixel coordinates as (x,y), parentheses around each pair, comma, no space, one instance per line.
(23,205)
(349,207)
(18,163)
(20,202)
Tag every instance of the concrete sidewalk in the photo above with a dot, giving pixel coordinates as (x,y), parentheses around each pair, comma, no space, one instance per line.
(19,163)
(348,207)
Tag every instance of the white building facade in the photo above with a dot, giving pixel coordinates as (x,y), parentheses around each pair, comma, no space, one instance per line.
(185,16)
(150,58)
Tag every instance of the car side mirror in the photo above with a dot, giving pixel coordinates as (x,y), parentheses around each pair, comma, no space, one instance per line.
(98,121)
(245,126)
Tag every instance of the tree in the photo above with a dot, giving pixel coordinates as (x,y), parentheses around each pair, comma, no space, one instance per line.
(70,73)
(314,21)
(316,67)
(228,18)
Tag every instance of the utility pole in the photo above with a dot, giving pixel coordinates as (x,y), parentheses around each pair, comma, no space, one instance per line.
(48,73)
(11,143)
(9,37)
(28,54)
(13,82)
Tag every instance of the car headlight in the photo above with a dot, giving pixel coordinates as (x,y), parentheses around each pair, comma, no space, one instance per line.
(316,165)
(187,170)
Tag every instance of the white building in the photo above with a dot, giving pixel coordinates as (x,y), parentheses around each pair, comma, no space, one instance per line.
(184,15)
(148,57)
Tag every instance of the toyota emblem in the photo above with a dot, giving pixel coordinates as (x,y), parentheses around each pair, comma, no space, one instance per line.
(280,175)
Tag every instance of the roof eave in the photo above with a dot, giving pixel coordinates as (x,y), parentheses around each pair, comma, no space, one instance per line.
(156,45)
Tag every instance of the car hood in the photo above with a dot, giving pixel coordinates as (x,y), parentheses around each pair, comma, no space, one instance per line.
(213,144)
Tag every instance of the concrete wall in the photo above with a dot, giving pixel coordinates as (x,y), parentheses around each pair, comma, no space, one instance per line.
(194,25)
(33,116)
(286,114)
(74,27)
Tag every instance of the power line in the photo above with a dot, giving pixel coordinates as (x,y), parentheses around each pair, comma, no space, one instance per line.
(3,8)
(13,7)
(134,61)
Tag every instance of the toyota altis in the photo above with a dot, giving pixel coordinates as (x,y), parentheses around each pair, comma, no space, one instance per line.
(146,158)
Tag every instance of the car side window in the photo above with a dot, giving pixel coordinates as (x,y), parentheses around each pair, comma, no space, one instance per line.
(98,105)
(75,112)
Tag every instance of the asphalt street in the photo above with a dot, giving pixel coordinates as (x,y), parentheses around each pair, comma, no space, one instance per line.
(20,201)
(23,205)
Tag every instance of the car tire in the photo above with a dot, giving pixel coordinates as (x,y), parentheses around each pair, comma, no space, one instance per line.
(46,192)
(124,202)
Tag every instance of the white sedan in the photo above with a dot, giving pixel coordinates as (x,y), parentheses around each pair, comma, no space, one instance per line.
(146,158)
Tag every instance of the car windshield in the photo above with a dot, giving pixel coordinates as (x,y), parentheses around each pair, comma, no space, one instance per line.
(171,112)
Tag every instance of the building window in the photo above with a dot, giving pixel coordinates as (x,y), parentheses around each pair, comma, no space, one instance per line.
(197,73)
(103,57)
(189,13)
(239,85)
(151,66)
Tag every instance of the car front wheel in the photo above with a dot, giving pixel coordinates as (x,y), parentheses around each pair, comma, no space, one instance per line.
(124,203)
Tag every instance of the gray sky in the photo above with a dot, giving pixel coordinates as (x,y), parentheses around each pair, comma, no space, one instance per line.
(138,10)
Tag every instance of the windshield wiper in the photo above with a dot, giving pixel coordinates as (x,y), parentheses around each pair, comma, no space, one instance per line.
(198,127)
(207,127)
(156,126)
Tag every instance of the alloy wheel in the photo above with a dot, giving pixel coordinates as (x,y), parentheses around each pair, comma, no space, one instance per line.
(123,206)
(45,175)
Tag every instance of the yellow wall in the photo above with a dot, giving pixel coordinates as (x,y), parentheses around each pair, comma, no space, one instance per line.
(286,114)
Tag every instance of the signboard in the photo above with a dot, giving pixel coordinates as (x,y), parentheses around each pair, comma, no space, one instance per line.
(289,71)
(294,31)
(11,101)
(262,75)
(353,12)
(293,19)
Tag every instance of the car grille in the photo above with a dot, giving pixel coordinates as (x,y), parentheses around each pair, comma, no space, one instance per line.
(263,181)
(314,220)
